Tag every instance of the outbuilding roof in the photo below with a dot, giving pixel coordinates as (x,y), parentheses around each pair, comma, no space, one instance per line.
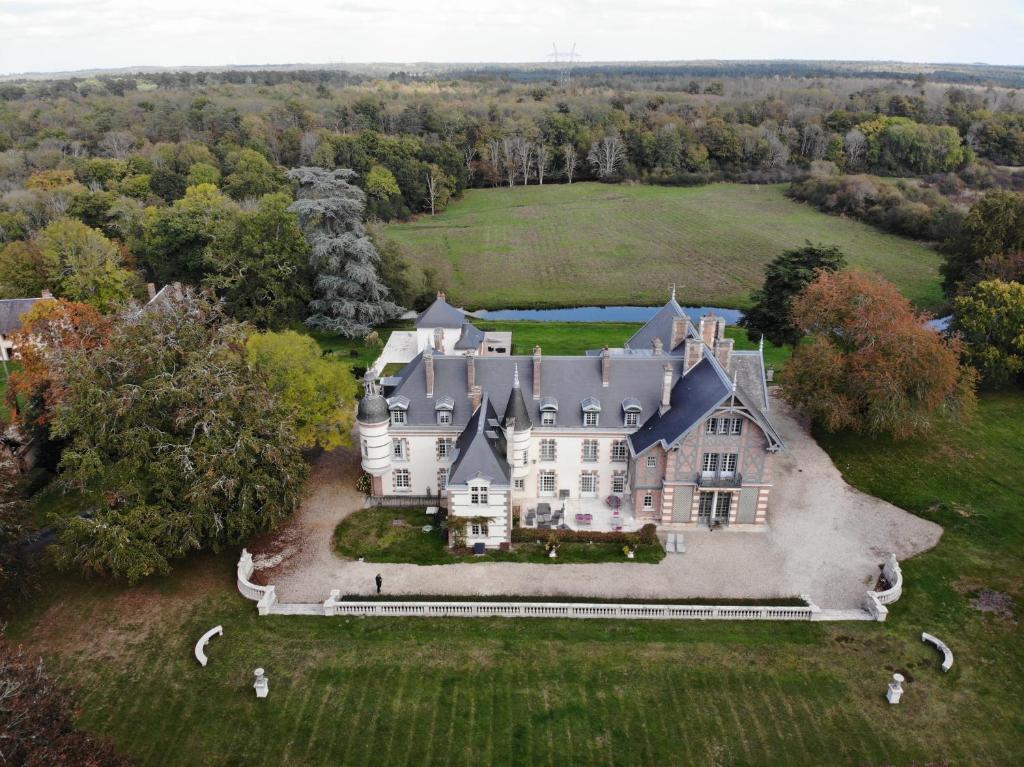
(12,310)
(441,314)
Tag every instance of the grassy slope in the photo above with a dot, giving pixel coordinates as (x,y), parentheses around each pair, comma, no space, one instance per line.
(486,692)
(598,244)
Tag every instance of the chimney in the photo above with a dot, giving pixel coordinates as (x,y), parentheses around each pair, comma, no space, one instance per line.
(691,353)
(723,351)
(707,329)
(474,397)
(720,328)
(46,293)
(471,371)
(606,366)
(536,372)
(178,292)
(678,331)
(658,347)
(439,340)
(666,389)
(151,290)
(428,369)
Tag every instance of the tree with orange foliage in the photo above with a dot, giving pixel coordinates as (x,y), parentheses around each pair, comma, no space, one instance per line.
(872,364)
(49,331)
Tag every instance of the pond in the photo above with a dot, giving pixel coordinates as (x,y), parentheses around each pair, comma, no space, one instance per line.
(602,314)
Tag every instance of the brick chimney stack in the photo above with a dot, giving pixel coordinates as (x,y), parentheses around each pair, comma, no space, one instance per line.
(471,371)
(666,389)
(723,351)
(658,346)
(536,372)
(678,331)
(606,366)
(475,395)
(720,327)
(691,353)
(707,329)
(428,370)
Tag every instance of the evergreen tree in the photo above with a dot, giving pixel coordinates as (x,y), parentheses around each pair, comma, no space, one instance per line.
(350,297)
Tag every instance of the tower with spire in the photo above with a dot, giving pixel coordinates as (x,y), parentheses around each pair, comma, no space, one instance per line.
(518,429)
(374,421)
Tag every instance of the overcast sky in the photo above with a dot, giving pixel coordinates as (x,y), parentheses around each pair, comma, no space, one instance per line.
(55,35)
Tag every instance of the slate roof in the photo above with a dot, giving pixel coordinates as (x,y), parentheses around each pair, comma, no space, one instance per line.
(480,450)
(694,397)
(516,407)
(660,326)
(471,336)
(11,310)
(568,380)
(441,314)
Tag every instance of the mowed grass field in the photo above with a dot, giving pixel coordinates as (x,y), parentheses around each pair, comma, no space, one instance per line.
(372,692)
(590,243)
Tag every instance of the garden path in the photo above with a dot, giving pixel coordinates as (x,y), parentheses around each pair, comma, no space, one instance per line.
(825,539)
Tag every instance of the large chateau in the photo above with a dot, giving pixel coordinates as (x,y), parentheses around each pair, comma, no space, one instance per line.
(672,428)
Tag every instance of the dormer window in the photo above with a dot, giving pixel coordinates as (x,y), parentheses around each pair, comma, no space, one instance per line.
(398,405)
(631,411)
(444,417)
(397,417)
(548,411)
(444,407)
(591,419)
(591,411)
(548,418)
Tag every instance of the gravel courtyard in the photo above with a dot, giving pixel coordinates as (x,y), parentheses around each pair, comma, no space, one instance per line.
(824,539)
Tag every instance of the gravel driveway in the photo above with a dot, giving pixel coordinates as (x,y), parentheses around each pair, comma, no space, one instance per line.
(824,539)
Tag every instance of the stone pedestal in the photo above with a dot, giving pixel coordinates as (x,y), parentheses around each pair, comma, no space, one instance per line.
(895,689)
(261,685)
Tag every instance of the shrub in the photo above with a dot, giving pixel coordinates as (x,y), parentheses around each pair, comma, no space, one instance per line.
(646,535)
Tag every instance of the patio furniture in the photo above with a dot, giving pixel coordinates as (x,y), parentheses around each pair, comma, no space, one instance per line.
(431,510)
(531,517)
(613,501)
(563,494)
(584,519)
(478,549)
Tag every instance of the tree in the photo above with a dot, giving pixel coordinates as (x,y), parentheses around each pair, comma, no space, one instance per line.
(319,393)
(175,239)
(607,155)
(542,153)
(571,160)
(990,320)
(872,364)
(784,278)
(252,176)
(381,183)
(90,265)
(993,228)
(25,270)
(178,443)
(37,718)
(437,188)
(349,296)
(259,266)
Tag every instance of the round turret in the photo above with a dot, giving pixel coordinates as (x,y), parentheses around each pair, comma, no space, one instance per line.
(374,420)
(373,408)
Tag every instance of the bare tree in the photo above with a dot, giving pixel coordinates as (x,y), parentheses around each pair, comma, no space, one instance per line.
(607,155)
(117,144)
(308,146)
(435,186)
(541,152)
(778,152)
(571,160)
(856,145)
(508,158)
(813,141)
(494,157)
(523,156)
(468,155)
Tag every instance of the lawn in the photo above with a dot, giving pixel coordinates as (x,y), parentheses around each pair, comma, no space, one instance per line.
(499,692)
(372,534)
(589,243)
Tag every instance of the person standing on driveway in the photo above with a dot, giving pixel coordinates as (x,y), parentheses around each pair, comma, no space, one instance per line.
(379,581)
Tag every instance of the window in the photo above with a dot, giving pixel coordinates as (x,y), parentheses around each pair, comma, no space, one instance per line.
(547,483)
(397,417)
(442,480)
(400,450)
(524,457)
(732,426)
(648,501)
(365,448)
(590,450)
(707,502)
(547,418)
(728,463)
(619,450)
(618,484)
(712,426)
(632,418)
(710,463)
(590,419)
(444,447)
(401,479)
(519,484)
(736,426)
(478,496)
(444,417)
(722,504)
(588,483)
(477,529)
(547,449)
(652,462)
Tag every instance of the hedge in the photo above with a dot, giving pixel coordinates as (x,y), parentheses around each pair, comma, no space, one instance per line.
(645,535)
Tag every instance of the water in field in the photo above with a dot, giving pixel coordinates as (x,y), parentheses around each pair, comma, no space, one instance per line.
(602,314)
